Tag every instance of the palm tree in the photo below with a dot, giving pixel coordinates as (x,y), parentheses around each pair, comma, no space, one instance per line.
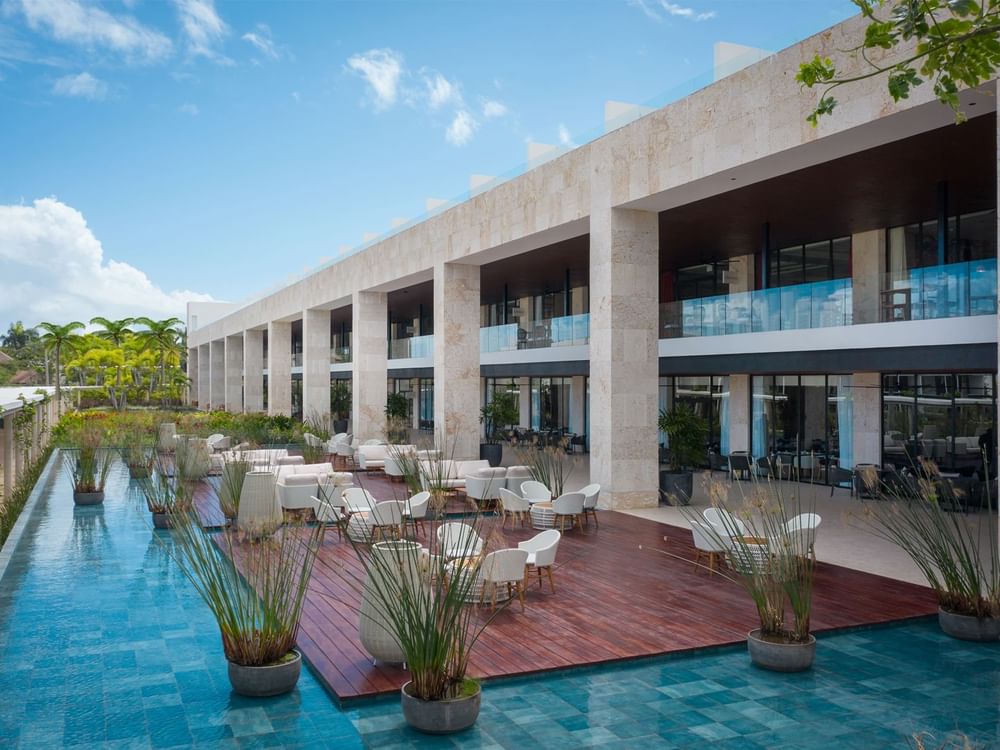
(115,331)
(55,337)
(163,336)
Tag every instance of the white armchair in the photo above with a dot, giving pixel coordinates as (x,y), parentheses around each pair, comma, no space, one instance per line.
(458,540)
(295,491)
(590,494)
(331,511)
(513,506)
(541,549)
(384,518)
(505,566)
(535,492)
(516,476)
(415,509)
(569,505)
(724,522)
(708,543)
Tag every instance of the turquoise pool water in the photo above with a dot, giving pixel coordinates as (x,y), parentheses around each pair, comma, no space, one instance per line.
(104,644)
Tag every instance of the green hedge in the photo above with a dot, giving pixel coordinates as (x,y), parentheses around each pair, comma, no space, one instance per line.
(13,505)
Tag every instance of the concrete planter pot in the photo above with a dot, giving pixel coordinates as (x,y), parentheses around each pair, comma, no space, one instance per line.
(676,487)
(88,498)
(781,657)
(492,452)
(161,521)
(339,426)
(969,628)
(138,472)
(261,682)
(440,717)
(398,565)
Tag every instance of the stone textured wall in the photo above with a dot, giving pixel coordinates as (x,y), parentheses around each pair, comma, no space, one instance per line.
(279,367)
(234,373)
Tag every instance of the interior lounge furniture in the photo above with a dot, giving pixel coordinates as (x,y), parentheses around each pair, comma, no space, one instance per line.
(724,522)
(708,544)
(568,507)
(767,466)
(840,477)
(590,495)
(541,549)
(504,567)
(867,481)
(513,506)
(717,463)
(458,539)
(535,492)
(739,464)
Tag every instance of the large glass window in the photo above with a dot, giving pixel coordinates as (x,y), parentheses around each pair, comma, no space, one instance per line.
(550,404)
(809,263)
(948,418)
(297,397)
(970,236)
(804,422)
(707,396)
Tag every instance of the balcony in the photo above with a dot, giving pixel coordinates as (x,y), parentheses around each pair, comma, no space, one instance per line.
(570,330)
(956,290)
(296,359)
(415,347)
(817,305)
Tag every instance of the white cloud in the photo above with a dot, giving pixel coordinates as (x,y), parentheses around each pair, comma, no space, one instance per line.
(91,26)
(189,109)
(493,108)
(203,28)
(53,268)
(440,91)
(82,85)
(261,39)
(652,9)
(381,68)
(564,137)
(461,129)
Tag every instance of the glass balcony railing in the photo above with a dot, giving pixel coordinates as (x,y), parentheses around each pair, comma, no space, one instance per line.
(570,330)
(296,359)
(818,305)
(955,290)
(416,347)
(340,355)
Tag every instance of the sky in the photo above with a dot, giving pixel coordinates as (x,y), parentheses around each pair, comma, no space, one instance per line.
(156,151)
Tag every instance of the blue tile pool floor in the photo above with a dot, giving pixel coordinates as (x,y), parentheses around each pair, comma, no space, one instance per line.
(104,644)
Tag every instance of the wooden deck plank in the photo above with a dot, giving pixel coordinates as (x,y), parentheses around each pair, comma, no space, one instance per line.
(624,590)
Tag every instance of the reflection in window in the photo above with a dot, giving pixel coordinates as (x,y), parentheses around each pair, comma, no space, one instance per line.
(708,397)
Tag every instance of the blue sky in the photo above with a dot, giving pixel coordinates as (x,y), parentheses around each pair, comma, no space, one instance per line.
(220,147)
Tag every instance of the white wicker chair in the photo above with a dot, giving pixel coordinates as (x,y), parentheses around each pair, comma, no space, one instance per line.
(535,492)
(541,549)
(458,540)
(505,566)
(568,505)
(513,505)
(590,494)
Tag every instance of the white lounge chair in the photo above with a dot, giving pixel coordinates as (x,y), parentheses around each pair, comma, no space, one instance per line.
(458,540)
(504,567)
(513,505)
(708,543)
(535,492)
(590,494)
(332,511)
(541,549)
(724,522)
(568,506)
(415,509)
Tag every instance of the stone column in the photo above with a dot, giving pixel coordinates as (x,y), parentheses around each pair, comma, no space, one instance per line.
(204,376)
(279,367)
(316,366)
(740,413)
(253,370)
(217,374)
(624,361)
(867,427)
(192,373)
(369,360)
(7,454)
(524,402)
(456,359)
(867,268)
(234,374)
(742,272)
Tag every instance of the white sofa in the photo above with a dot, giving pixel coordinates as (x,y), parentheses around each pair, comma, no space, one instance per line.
(485,484)
(392,465)
(516,475)
(371,457)
(260,458)
(448,473)
(297,485)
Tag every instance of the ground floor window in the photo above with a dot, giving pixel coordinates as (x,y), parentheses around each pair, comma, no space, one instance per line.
(550,404)
(264,396)
(949,418)
(708,397)
(805,422)
(419,393)
(297,397)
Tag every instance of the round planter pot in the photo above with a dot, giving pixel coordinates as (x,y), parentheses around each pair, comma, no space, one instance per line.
(261,682)
(138,472)
(781,657)
(676,487)
(440,717)
(339,426)
(161,520)
(88,498)
(969,628)
(492,453)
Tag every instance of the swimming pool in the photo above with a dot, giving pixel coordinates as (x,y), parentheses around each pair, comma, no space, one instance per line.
(104,643)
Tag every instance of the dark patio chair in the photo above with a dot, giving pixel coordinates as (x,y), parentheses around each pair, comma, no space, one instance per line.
(766,466)
(740,464)
(717,463)
(840,477)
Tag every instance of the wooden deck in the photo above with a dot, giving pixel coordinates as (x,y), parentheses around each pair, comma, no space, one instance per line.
(618,596)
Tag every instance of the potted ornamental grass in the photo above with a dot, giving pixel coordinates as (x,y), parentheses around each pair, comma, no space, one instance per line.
(686,432)
(956,554)
(137,449)
(340,405)
(419,607)
(549,464)
(89,464)
(255,590)
(768,549)
(235,467)
(165,496)
(501,412)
